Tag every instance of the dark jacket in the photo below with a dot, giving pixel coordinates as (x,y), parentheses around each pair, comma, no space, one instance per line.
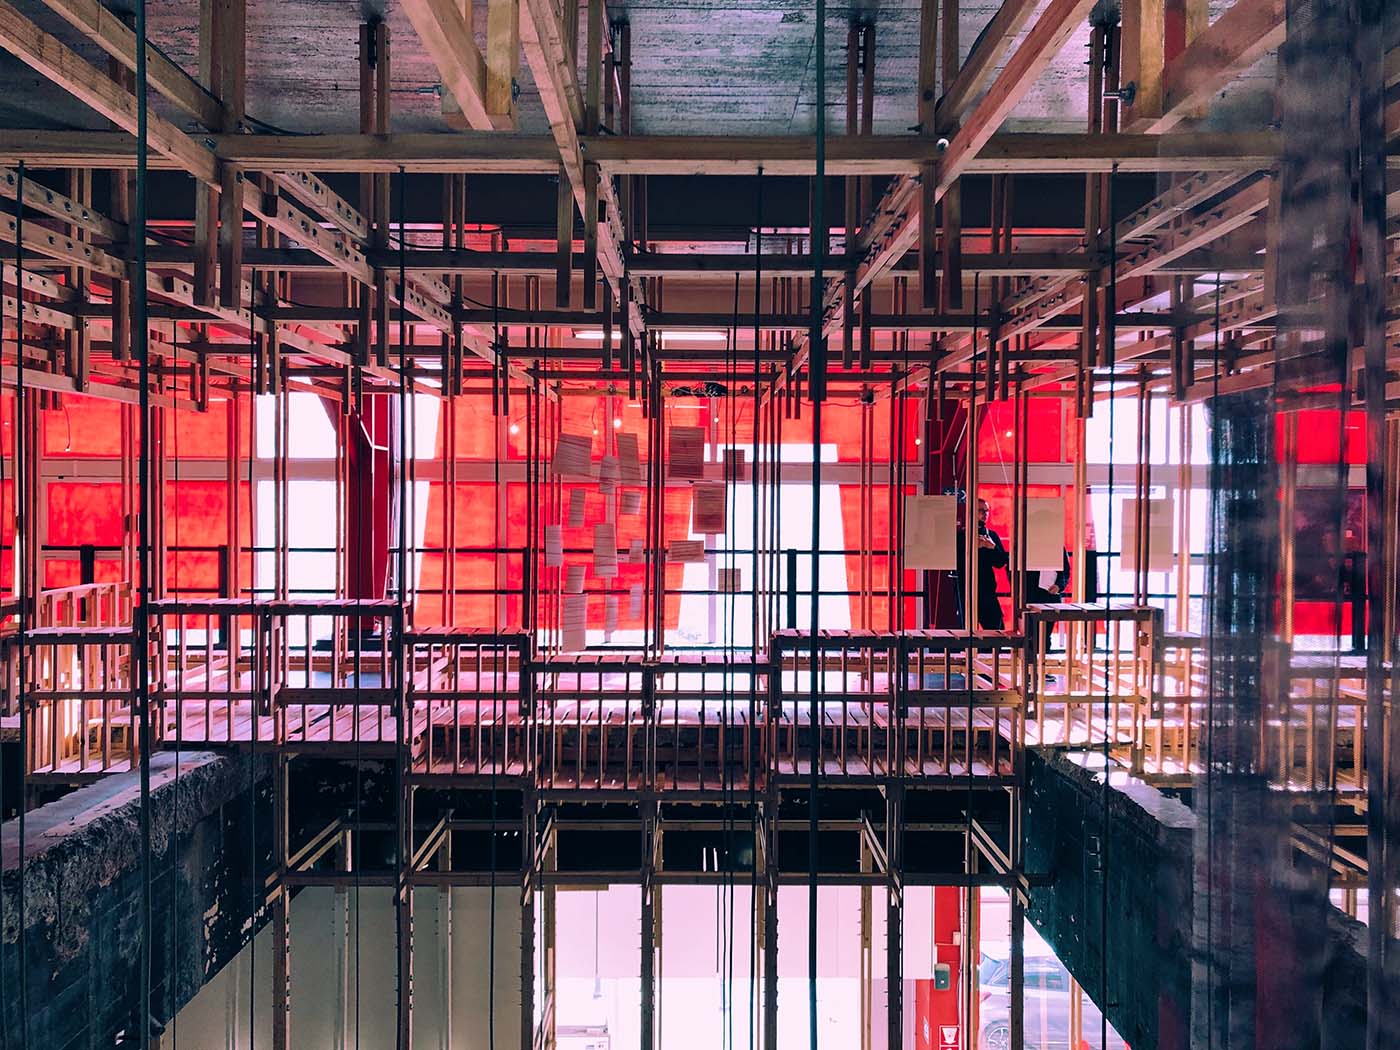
(1036,595)
(989,560)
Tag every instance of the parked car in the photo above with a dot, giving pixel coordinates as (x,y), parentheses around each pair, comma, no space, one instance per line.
(1047,1001)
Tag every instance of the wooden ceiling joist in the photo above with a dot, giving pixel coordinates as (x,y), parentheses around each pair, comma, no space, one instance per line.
(480,153)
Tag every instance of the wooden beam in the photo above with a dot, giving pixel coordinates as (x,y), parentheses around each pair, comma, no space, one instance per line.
(482,153)
(991,46)
(230,63)
(45,54)
(449,42)
(502,61)
(284,216)
(314,193)
(1143,51)
(48,202)
(115,37)
(1234,42)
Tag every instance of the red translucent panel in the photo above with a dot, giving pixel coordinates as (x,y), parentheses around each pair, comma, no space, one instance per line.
(1323,436)
(204,435)
(83,426)
(7,536)
(196,527)
(7,423)
(880,541)
(996,432)
(83,513)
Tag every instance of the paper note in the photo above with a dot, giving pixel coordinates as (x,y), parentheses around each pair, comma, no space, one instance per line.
(731,581)
(1159,535)
(574,622)
(576,497)
(631,501)
(573,579)
(708,506)
(686,551)
(609,616)
(685,452)
(628,462)
(634,605)
(733,464)
(573,456)
(1045,533)
(605,551)
(636,553)
(553,546)
(931,532)
(608,474)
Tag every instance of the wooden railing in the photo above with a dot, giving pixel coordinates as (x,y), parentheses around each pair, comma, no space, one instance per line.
(346,677)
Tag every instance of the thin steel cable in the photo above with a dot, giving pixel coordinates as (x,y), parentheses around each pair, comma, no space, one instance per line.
(817,378)
(141,336)
(499,378)
(403,827)
(22,511)
(753,639)
(1110,334)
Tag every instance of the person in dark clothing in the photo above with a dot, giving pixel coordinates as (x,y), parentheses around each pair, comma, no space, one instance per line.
(991,556)
(1046,587)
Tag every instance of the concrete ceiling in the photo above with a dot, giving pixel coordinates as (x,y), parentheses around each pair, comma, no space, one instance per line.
(700,67)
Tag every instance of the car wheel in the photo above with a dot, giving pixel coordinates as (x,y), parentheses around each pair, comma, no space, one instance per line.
(996,1036)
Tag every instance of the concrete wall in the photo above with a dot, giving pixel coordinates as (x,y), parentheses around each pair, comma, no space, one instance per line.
(83,897)
(1130,950)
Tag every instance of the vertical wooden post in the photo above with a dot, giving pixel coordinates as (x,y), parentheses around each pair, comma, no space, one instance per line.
(230,42)
(502,61)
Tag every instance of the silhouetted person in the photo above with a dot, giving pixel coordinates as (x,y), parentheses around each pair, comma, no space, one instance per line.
(991,556)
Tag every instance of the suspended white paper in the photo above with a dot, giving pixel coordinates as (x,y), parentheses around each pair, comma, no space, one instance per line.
(1159,535)
(609,616)
(1045,533)
(931,532)
(685,452)
(686,551)
(708,508)
(604,551)
(631,501)
(553,546)
(608,475)
(733,464)
(731,581)
(576,498)
(574,622)
(628,462)
(573,579)
(636,553)
(573,456)
(634,605)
